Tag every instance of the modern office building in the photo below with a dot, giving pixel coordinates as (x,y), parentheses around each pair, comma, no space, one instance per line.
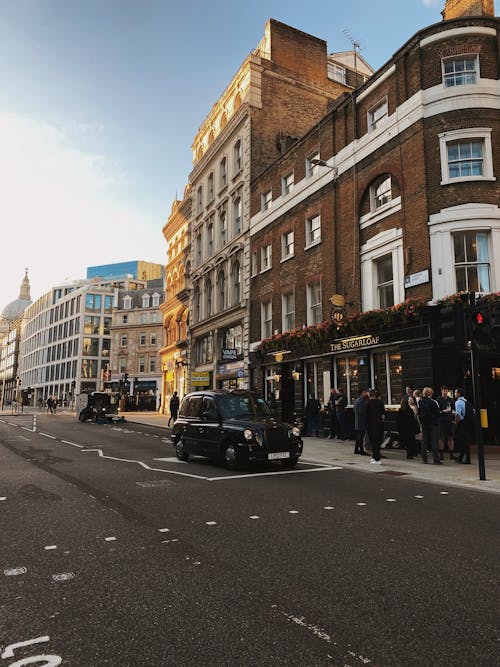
(137,269)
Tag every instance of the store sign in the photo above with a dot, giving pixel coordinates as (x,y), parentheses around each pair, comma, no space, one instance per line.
(226,369)
(354,343)
(229,354)
(417,279)
(201,379)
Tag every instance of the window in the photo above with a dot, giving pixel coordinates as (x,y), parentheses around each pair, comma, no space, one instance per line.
(287,245)
(107,326)
(210,239)
(122,365)
(266,318)
(124,319)
(208,298)
(338,73)
(311,165)
(146,299)
(236,280)
(314,306)
(152,339)
(154,317)
(313,230)
(156,300)
(142,365)
(385,282)
(210,186)
(90,347)
(288,310)
(123,341)
(287,183)
(108,304)
(221,291)
(204,350)
(91,325)
(472,268)
(232,339)
(460,71)
(152,365)
(127,302)
(377,115)
(106,347)
(144,318)
(199,199)
(222,229)
(237,156)
(465,159)
(223,173)
(466,155)
(198,249)
(381,192)
(254,263)
(265,257)
(197,303)
(237,215)
(93,302)
(266,199)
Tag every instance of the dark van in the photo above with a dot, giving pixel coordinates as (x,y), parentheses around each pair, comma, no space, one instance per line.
(234,428)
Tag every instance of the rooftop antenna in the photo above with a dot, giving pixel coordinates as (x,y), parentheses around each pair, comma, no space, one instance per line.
(356,45)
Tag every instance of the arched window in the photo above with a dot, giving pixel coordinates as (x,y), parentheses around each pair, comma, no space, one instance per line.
(236,280)
(196,304)
(222,228)
(208,298)
(237,157)
(146,300)
(210,238)
(221,290)
(237,217)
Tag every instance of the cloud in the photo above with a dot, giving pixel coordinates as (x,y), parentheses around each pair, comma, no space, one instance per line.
(432,3)
(62,208)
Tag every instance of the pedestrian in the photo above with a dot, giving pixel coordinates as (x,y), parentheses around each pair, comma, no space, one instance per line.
(408,427)
(49,404)
(340,406)
(359,409)
(313,407)
(464,426)
(174,407)
(445,403)
(332,413)
(429,414)
(54,404)
(375,415)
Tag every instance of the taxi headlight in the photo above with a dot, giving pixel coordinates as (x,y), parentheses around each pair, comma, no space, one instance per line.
(248,434)
(296,432)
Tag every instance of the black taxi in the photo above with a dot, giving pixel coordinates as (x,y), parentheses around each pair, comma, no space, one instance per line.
(234,428)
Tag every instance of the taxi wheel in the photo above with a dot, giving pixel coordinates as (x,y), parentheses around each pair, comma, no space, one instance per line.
(179,451)
(229,457)
(291,462)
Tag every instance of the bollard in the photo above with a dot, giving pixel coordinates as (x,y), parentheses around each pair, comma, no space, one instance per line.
(34,423)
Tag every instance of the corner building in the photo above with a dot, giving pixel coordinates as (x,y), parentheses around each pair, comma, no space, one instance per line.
(283,87)
(394,209)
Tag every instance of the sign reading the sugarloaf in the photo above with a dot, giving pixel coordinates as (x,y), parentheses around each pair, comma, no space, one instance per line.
(354,343)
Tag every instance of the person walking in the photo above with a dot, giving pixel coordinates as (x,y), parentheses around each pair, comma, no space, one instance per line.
(408,427)
(49,404)
(332,413)
(429,414)
(375,415)
(464,425)
(359,409)
(174,408)
(313,408)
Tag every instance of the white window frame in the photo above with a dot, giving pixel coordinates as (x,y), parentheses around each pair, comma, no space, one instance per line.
(312,169)
(266,257)
(287,184)
(473,264)
(377,114)
(266,319)
(313,230)
(384,243)
(313,305)
(288,314)
(450,78)
(127,302)
(123,340)
(156,300)
(146,300)
(266,199)
(254,263)
(482,134)
(378,201)
(286,253)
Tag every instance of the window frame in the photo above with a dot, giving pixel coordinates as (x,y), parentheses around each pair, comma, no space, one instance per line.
(286,314)
(314,307)
(477,264)
(266,257)
(266,319)
(462,136)
(266,200)
(373,122)
(309,231)
(458,58)
(285,245)
(286,186)
(312,169)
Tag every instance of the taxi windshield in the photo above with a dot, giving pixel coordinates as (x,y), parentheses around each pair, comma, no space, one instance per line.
(243,406)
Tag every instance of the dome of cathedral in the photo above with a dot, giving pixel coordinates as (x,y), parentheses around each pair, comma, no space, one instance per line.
(16,308)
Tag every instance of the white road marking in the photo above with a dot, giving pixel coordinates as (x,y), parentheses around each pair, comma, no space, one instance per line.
(211,523)
(277,472)
(293,512)
(63,576)
(47,435)
(164,530)
(172,459)
(318,632)
(68,442)
(15,571)
(143,465)
(361,504)
(174,540)
(9,650)
(24,428)
(391,500)
(3,498)
(254,516)
(444,493)
(328,507)
(110,539)
(418,496)
(50,547)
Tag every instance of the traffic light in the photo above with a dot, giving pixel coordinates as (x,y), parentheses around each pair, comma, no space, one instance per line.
(481,328)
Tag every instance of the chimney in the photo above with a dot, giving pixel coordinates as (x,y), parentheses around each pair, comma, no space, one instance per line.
(454,9)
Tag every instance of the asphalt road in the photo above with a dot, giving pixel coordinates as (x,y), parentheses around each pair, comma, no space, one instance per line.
(113,553)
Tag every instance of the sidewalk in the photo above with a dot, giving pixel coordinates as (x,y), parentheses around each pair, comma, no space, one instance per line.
(341,453)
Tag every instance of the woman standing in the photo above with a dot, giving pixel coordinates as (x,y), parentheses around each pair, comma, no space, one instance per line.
(375,415)
(407,427)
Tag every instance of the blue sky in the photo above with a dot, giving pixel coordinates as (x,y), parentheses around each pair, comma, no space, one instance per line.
(100,101)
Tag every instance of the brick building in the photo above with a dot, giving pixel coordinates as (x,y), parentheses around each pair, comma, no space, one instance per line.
(394,208)
(283,87)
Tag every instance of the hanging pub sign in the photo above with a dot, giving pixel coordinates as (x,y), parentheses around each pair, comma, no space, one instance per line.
(337,313)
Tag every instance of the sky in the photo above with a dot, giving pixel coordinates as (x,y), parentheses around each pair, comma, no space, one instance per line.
(100,101)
